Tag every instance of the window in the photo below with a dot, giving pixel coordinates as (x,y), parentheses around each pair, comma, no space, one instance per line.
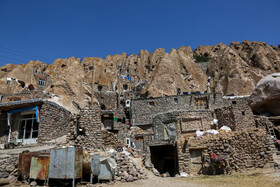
(14,99)
(151,104)
(28,127)
(125,87)
(243,113)
(176,100)
(234,102)
(201,103)
(41,83)
(99,88)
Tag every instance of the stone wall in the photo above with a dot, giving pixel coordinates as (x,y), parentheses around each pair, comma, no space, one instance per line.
(143,110)
(8,166)
(250,148)
(191,121)
(26,95)
(54,122)
(237,116)
(86,130)
(108,100)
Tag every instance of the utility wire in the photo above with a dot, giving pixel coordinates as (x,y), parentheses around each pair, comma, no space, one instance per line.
(12,58)
(12,53)
(23,53)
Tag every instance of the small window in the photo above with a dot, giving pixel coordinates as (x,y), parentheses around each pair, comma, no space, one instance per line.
(31,87)
(176,100)
(99,88)
(14,99)
(201,103)
(234,102)
(41,83)
(151,104)
(243,113)
(125,87)
(103,107)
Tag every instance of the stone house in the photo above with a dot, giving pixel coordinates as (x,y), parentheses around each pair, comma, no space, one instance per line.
(32,121)
(169,119)
(170,144)
(236,113)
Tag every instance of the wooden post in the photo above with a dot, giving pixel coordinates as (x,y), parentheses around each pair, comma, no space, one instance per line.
(119,88)
(92,86)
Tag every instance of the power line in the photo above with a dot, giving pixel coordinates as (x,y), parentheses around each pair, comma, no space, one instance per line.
(12,58)
(23,53)
(12,53)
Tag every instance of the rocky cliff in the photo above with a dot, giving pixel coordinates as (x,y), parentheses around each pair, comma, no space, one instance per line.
(234,69)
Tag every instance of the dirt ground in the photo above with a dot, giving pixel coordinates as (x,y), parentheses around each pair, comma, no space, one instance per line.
(261,178)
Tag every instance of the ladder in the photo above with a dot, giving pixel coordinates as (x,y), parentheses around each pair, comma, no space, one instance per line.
(270,128)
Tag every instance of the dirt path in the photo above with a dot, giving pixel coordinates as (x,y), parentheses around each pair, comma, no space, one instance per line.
(6,152)
(259,178)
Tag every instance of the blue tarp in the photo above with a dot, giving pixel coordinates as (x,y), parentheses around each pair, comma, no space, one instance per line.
(27,109)
(128,78)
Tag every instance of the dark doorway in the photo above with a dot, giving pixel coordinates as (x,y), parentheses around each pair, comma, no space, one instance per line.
(108,121)
(164,159)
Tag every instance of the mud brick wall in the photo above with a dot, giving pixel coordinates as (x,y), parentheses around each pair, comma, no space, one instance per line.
(143,111)
(91,137)
(54,122)
(247,149)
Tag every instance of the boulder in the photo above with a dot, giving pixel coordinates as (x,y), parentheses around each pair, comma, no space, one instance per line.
(266,96)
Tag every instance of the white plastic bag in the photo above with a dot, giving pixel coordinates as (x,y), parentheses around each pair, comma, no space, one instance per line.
(199,133)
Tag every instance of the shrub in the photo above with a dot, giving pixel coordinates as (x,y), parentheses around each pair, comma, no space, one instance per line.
(200,58)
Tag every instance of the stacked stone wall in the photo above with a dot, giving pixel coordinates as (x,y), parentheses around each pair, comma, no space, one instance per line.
(90,136)
(237,117)
(246,149)
(143,110)
(25,96)
(54,122)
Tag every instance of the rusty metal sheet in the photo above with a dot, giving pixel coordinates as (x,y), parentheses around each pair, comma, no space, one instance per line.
(66,163)
(39,168)
(79,163)
(24,163)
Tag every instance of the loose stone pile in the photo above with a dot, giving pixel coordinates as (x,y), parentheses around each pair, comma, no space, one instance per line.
(127,171)
(110,139)
(8,166)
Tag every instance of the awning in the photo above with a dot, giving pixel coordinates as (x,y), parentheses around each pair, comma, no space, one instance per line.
(27,109)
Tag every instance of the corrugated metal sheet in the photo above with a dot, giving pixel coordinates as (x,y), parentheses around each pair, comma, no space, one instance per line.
(24,163)
(39,168)
(66,163)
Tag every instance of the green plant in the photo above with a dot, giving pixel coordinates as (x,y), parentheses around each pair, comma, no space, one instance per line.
(200,58)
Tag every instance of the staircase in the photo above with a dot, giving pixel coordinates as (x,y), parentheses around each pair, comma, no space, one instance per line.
(270,129)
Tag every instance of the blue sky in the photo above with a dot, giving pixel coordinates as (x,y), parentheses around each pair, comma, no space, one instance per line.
(51,29)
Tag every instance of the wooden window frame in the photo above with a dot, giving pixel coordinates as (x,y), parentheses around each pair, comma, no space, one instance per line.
(201,103)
